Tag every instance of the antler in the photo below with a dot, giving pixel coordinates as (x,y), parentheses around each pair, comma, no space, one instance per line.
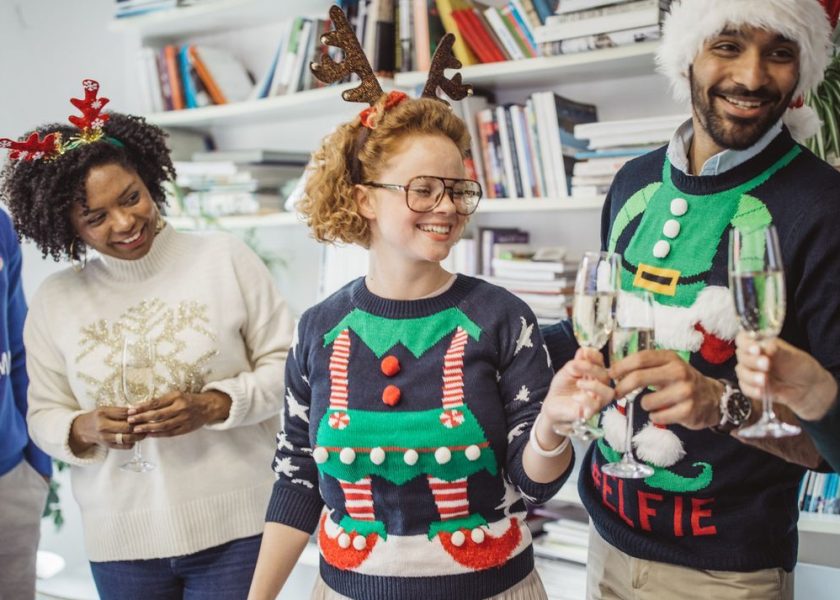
(445,59)
(33,148)
(91,107)
(354,61)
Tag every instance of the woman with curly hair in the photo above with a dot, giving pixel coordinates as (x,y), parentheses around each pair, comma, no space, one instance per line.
(412,427)
(189,526)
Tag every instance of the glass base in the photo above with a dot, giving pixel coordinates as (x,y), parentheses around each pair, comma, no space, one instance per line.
(627,470)
(137,466)
(579,430)
(769,429)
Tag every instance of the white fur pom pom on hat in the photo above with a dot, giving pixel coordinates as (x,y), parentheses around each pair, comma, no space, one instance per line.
(692,22)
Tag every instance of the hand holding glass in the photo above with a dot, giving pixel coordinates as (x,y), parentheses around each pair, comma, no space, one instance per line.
(633,332)
(593,317)
(757,282)
(138,386)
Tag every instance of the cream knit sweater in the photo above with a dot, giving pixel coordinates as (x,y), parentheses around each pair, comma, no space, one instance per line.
(218,323)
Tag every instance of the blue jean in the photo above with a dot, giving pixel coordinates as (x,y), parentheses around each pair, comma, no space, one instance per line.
(220,573)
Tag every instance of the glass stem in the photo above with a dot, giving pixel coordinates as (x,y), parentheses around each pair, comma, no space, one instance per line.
(628,451)
(138,455)
(769,415)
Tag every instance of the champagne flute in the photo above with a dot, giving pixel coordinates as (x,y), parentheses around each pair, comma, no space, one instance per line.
(593,318)
(757,283)
(138,385)
(633,332)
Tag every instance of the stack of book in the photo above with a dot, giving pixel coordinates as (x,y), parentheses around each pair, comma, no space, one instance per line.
(133,8)
(524,150)
(216,184)
(820,493)
(546,286)
(612,144)
(582,25)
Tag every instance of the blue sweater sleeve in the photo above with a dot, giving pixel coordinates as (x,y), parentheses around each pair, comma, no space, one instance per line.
(524,378)
(15,317)
(296,500)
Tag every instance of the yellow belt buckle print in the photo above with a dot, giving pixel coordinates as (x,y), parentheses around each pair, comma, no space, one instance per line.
(656,280)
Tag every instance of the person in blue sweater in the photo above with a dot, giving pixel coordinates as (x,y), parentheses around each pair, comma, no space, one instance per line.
(796,379)
(24,469)
(717,518)
(414,426)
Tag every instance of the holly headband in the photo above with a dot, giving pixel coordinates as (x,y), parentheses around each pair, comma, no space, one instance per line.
(90,126)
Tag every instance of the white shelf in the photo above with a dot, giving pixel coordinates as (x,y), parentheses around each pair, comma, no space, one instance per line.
(505,205)
(284,219)
(609,63)
(220,15)
(819,523)
(301,105)
(569,493)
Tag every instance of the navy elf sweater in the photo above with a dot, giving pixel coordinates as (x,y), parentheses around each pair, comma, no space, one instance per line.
(404,429)
(721,505)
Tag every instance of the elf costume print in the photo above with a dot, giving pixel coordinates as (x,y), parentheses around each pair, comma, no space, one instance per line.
(406,421)
(713,502)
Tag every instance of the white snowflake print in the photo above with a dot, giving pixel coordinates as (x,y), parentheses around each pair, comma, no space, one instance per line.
(295,340)
(510,498)
(303,482)
(516,432)
(98,123)
(547,356)
(90,85)
(306,380)
(284,466)
(296,409)
(498,376)
(96,104)
(523,395)
(5,143)
(282,442)
(524,340)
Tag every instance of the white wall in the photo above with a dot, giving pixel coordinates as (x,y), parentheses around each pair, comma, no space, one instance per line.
(49,46)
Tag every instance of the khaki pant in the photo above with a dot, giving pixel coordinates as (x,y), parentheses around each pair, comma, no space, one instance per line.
(614,575)
(23,493)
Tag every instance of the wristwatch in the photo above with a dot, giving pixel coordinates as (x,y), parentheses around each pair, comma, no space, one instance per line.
(735,408)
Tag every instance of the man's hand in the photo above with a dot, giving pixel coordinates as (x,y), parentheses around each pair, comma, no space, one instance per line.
(177,413)
(578,390)
(789,375)
(106,426)
(682,394)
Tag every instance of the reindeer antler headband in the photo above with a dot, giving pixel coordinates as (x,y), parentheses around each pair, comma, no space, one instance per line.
(369,90)
(90,126)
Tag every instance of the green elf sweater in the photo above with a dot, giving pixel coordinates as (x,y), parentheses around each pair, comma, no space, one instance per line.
(405,425)
(713,502)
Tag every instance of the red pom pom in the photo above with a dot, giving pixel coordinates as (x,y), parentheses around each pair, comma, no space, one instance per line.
(390,366)
(391,395)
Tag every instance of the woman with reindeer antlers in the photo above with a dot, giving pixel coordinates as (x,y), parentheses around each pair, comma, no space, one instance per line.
(188,527)
(412,430)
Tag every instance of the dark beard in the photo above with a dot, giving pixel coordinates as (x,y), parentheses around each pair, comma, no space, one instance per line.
(741,133)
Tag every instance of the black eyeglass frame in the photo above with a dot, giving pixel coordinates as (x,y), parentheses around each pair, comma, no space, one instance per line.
(448,190)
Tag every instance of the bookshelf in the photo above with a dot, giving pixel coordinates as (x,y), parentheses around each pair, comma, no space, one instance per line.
(214,16)
(237,222)
(598,65)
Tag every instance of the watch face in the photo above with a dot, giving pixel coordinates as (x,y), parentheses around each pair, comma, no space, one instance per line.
(739,407)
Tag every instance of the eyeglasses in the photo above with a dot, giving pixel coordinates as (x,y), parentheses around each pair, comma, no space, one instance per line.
(424,193)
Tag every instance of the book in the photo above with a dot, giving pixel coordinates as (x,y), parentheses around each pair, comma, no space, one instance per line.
(300,57)
(384,38)
(510,44)
(638,13)
(150,80)
(489,237)
(224,76)
(611,39)
(174,72)
(513,183)
(460,49)
(254,156)
(571,6)
(420,22)
(512,23)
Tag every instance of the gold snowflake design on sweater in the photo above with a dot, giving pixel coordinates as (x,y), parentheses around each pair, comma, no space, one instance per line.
(167,326)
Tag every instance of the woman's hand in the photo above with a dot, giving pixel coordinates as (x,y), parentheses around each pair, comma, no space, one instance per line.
(579,390)
(790,376)
(106,426)
(177,413)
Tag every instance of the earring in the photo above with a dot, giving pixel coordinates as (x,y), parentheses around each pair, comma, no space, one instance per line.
(78,264)
(160,222)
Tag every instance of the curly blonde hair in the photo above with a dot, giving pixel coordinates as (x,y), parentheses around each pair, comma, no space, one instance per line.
(329,204)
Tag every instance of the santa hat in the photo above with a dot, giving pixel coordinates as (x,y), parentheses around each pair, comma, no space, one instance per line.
(692,22)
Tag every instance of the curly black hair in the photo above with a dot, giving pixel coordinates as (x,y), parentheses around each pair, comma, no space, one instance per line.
(40,194)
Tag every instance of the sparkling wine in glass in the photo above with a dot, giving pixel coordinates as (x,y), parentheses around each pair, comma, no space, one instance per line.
(757,283)
(138,386)
(633,332)
(593,318)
